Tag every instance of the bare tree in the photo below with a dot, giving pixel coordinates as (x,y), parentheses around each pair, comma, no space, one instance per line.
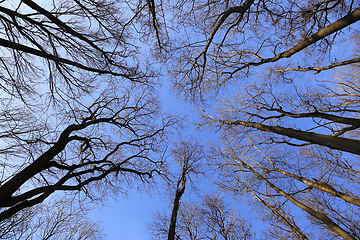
(321,181)
(188,155)
(97,127)
(223,222)
(211,218)
(307,165)
(228,42)
(289,140)
(59,219)
(94,148)
(282,223)
(71,45)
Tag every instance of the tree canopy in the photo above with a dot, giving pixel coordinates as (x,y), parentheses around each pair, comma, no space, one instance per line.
(276,81)
(78,110)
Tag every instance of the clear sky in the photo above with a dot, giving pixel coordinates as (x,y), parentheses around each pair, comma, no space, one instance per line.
(127,218)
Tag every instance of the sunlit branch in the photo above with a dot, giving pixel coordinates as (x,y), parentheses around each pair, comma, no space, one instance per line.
(319,69)
(339,143)
(328,30)
(327,221)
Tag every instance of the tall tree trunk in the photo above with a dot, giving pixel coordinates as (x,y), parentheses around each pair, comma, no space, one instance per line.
(179,192)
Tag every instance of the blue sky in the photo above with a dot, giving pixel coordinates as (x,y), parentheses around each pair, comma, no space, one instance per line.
(127,218)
